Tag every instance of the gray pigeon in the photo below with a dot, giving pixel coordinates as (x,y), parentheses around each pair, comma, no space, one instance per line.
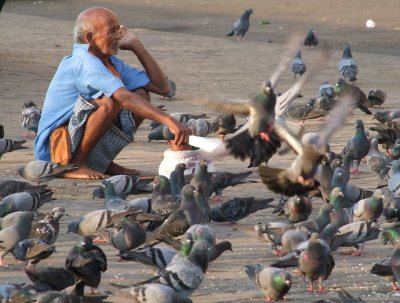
(186,275)
(386,116)
(128,235)
(7,290)
(343,88)
(311,38)
(8,187)
(377,162)
(275,283)
(395,264)
(32,251)
(316,262)
(384,269)
(241,25)
(348,66)
(358,145)
(394,181)
(199,127)
(238,208)
(368,209)
(163,203)
(158,257)
(290,240)
(12,219)
(43,171)
(123,185)
(222,180)
(157,293)
(157,133)
(297,67)
(177,180)
(172,89)
(112,199)
(8,145)
(327,90)
(30,117)
(48,228)
(10,236)
(224,124)
(185,216)
(24,201)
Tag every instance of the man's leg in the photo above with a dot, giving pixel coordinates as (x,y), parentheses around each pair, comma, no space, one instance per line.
(114,168)
(98,122)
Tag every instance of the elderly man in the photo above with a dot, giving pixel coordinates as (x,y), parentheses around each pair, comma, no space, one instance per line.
(95,102)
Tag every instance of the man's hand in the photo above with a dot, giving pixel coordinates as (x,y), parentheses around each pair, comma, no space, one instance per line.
(180,131)
(128,41)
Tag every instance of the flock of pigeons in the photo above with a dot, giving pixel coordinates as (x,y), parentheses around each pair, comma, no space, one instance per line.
(177,211)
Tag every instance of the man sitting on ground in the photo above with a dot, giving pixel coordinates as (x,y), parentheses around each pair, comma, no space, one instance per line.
(100,100)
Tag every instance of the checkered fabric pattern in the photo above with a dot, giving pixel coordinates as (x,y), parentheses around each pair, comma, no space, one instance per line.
(113,141)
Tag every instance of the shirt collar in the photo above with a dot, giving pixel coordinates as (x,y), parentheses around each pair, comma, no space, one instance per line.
(81,46)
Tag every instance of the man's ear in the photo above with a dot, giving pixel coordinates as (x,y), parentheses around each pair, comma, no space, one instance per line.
(89,36)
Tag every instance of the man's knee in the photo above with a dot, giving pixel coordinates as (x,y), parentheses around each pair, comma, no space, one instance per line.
(143,93)
(108,105)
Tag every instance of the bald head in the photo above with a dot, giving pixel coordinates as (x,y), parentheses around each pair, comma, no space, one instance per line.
(89,20)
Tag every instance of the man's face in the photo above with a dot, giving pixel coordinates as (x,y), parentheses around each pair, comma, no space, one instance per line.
(105,40)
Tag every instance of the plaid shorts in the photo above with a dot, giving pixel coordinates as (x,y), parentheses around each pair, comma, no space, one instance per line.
(113,141)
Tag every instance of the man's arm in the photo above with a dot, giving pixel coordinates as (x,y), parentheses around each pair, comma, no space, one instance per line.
(138,105)
(158,83)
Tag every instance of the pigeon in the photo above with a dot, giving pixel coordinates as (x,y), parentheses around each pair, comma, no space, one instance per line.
(87,261)
(185,216)
(48,228)
(50,278)
(358,145)
(202,202)
(13,218)
(297,67)
(112,200)
(343,88)
(354,235)
(30,117)
(325,103)
(368,209)
(172,89)
(311,38)
(241,25)
(386,116)
(91,223)
(224,124)
(43,171)
(388,133)
(123,185)
(327,90)
(389,236)
(305,111)
(10,236)
(377,97)
(395,151)
(384,269)
(157,293)
(352,194)
(222,180)
(316,262)
(7,290)
(348,66)
(8,187)
(8,145)
(177,180)
(395,264)
(157,133)
(238,208)
(391,211)
(298,179)
(186,274)
(377,162)
(275,283)
(199,127)
(298,208)
(158,257)
(32,251)
(24,201)
(128,235)
(394,181)
(163,203)
(289,241)
(318,223)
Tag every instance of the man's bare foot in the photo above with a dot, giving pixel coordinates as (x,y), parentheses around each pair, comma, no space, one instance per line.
(84,172)
(116,169)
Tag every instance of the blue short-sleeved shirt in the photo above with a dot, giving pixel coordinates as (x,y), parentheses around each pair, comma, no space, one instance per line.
(80,74)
